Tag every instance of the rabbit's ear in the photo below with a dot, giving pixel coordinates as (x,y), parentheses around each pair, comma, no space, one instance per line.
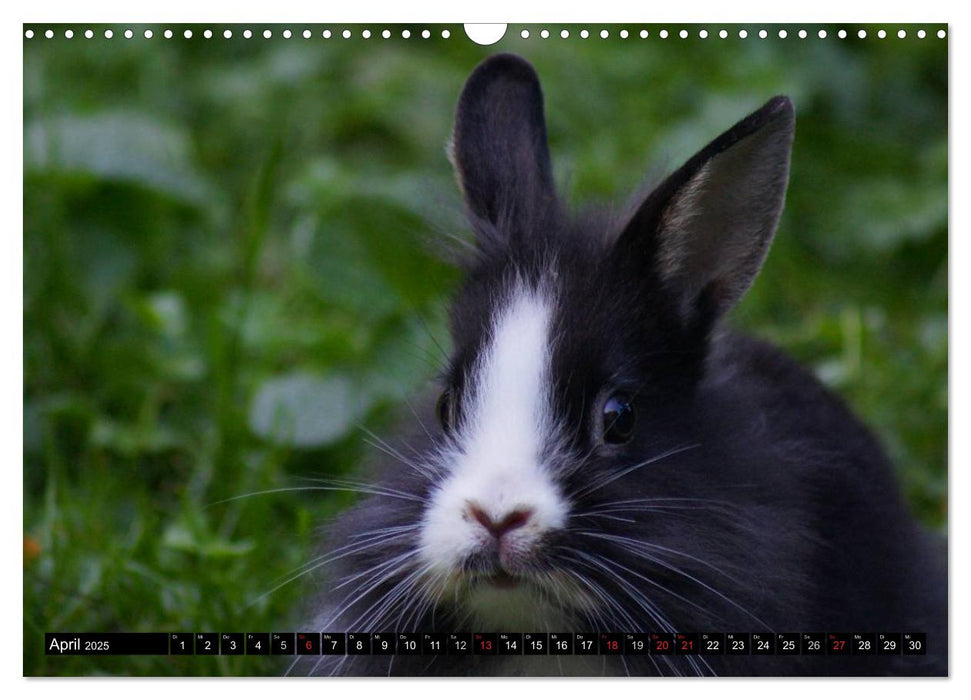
(498,145)
(707,228)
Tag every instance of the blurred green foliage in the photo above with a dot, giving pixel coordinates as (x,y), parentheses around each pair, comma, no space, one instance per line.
(228,270)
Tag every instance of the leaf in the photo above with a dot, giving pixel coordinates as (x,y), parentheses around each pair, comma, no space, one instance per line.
(116,146)
(889,212)
(179,537)
(164,312)
(344,274)
(304,410)
(132,440)
(368,247)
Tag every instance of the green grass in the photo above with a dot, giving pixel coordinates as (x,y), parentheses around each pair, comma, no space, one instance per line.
(228,271)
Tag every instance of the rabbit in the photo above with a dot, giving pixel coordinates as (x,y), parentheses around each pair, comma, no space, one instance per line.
(606,455)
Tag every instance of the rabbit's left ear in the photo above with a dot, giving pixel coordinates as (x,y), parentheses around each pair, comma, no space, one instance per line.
(708,227)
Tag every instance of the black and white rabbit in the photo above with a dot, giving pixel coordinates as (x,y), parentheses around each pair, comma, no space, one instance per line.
(605,456)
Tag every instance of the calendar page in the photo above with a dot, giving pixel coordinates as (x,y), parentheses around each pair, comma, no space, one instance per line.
(585,349)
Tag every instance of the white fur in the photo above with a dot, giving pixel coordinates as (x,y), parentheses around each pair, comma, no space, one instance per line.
(506,421)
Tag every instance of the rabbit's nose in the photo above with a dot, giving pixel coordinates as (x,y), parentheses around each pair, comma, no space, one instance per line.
(497,528)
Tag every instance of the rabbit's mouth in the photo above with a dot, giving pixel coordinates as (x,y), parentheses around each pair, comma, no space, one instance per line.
(500,600)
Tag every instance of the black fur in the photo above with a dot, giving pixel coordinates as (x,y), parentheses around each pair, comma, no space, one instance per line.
(776,509)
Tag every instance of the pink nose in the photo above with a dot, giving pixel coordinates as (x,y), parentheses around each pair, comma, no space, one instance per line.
(512,520)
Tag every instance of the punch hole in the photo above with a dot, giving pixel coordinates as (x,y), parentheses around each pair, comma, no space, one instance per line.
(109,33)
(723,34)
(841,33)
(683,34)
(484,34)
(425,34)
(168,34)
(267,34)
(663,34)
(545,33)
(129,33)
(783,34)
(644,34)
(247,33)
(763,34)
(822,34)
(604,33)
(346,34)
(69,34)
(366,33)
(861,34)
(446,34)
(742,34)
(941,34)
(703,34)
(564,34)
(207,34)
(386,34)
(148,34)
(29,34)
(287,34)
(921,34)
(524,34)
(584,34)
(624,34)
(902,34)
(803,34)
(228,34)
(882,34)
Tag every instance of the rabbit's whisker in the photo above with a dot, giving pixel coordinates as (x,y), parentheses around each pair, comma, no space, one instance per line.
(391,570)
(399,593)
(601,559)
(596,486)
(334,484)
(383,446)
(635,546)
(379,567)
(328,558)
(370,490)
(642,601)
(640,550)
(592,562)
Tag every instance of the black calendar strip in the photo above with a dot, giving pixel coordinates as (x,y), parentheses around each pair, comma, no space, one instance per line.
(487,644)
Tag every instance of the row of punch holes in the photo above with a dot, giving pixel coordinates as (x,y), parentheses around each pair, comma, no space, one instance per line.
(524,34)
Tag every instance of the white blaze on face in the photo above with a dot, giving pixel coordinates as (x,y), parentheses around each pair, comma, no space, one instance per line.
(505,424)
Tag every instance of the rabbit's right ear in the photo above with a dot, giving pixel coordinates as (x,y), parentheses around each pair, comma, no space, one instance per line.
(706,229)
(498,146)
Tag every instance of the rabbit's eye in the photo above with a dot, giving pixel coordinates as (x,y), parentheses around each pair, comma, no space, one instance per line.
(446,411)
(618,419)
